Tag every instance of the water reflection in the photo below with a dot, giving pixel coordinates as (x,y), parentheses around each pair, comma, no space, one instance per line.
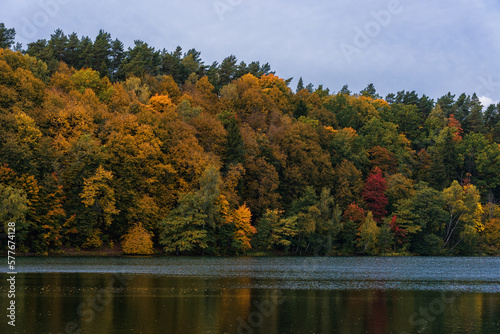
(145,303)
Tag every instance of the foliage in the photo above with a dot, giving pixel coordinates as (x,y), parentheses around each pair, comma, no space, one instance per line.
(244,231)
(99,142)
(369,236)
(464,211)
(6,36)
(99,194)
(137,241)
(386,238)
(423,217)
(276,232)
(348,183)
(491,233)
(13,204)
(183,230)
(89,79)
(374,194)
(13,208)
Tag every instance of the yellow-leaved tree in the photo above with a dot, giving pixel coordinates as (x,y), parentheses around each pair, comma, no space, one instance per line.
(243,228)
(137,241)
(99,195)
(464,210)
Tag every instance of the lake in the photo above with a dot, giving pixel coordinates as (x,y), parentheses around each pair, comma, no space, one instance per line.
(255,295)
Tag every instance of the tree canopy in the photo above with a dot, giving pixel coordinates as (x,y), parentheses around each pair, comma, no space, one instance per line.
(159,151)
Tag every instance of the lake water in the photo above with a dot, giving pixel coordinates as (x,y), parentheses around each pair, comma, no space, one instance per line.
(255,295)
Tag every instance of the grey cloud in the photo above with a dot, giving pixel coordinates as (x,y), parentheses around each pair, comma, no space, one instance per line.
(429,46)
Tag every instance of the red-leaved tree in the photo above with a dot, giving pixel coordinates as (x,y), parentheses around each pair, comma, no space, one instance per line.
(374,194)
(398,231)
(354,213)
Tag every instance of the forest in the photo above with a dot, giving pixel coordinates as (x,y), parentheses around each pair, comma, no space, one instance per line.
(157,152)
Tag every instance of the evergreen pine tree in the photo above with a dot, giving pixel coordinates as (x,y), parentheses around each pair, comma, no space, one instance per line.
(300,85)
(6,37)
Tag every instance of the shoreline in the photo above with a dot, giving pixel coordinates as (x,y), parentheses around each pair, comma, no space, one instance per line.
(118,252)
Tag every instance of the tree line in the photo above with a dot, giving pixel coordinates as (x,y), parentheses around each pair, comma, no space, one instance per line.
(155,150)
(109,57)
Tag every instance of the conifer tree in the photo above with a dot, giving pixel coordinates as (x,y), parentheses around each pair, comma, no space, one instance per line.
(6,36)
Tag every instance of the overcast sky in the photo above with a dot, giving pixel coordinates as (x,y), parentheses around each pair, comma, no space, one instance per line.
(429,46)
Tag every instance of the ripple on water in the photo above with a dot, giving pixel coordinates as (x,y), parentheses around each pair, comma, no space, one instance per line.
(472,274)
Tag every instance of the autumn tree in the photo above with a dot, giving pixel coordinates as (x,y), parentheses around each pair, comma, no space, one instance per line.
(244,230)
(369,234)
(96,139)
(276,232)
(98,193)
(13,205)
(208,194)
(434,123)
(20,198)
(89,79)
(456,128)
(348,237)
(423,166)
(490,235)
(398,233)
(260,185)
(184,229)
(374,194)
(137,241)
(19,84)
(346,144)
(204,221)
(54,227)
(348,184)
(211,134)
(398,189)
(160,102)
(136,89)
(377,132)
(380,157)
(464,212)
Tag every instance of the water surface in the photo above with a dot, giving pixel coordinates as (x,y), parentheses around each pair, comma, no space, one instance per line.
(257,295)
